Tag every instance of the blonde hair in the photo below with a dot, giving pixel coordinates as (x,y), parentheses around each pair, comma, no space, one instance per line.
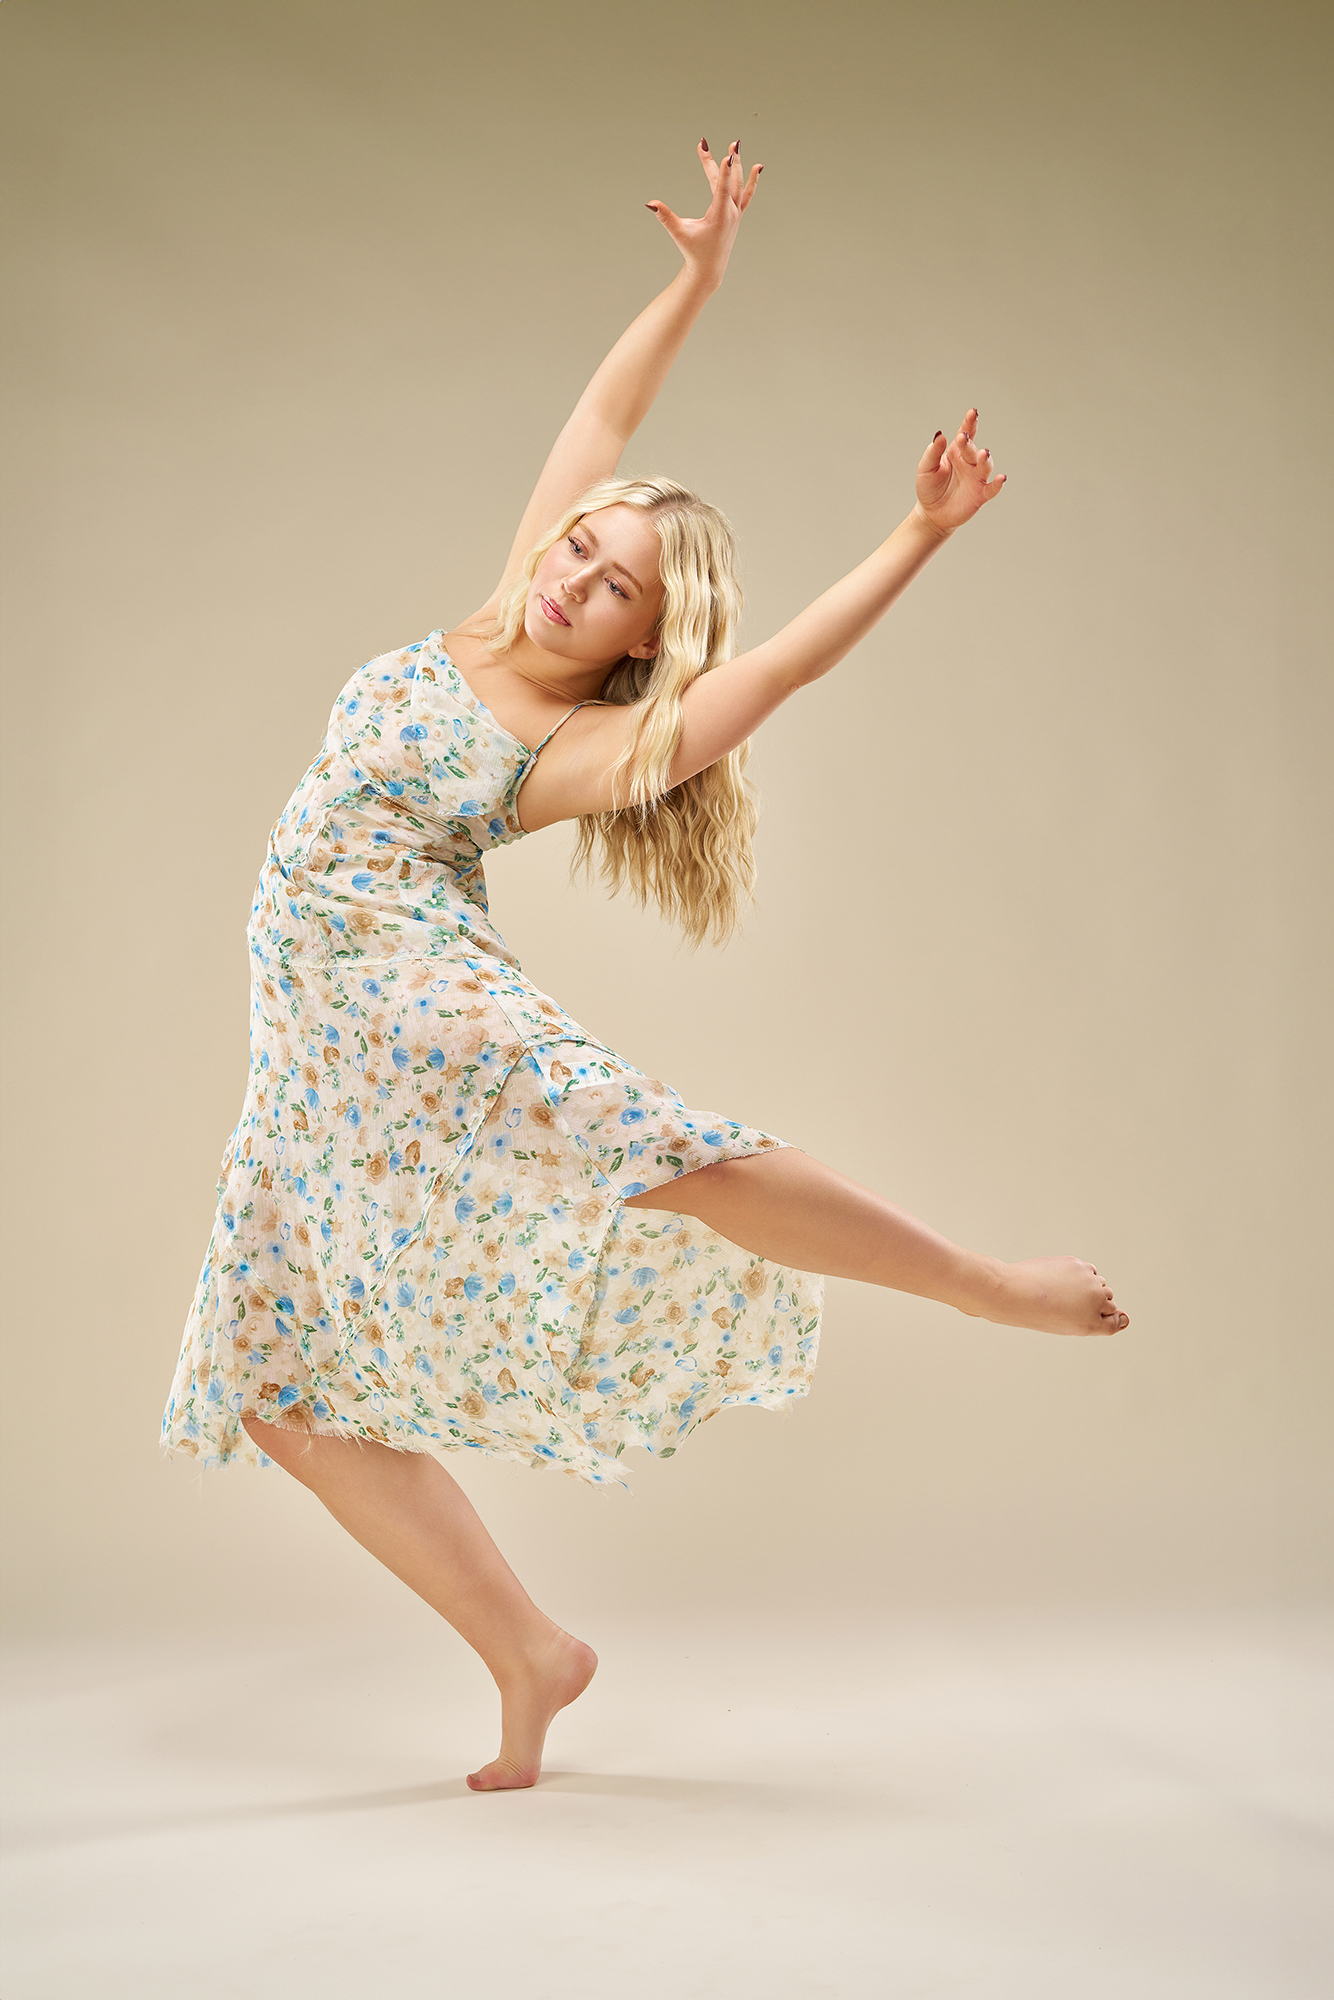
(688,846)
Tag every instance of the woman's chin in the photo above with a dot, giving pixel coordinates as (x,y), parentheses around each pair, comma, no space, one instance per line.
(545,632)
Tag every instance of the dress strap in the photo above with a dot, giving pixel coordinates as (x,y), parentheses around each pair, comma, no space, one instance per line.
(563,720)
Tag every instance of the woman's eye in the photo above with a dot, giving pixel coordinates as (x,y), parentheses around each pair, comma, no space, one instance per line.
(575,546)
(616,586)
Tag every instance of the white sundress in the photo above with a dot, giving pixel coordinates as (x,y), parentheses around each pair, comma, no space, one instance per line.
(421,1234)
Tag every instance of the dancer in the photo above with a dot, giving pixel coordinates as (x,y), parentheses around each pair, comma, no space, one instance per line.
(448,1218)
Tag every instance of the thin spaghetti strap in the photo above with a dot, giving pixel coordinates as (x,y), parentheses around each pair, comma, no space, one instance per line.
(563,720)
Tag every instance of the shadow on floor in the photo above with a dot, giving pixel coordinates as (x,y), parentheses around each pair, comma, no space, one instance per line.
(713,1792)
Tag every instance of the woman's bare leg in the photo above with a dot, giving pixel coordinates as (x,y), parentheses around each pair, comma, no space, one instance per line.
(405,1508)
(791,1208)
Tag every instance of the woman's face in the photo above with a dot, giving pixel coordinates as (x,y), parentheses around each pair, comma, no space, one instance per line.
(596,595)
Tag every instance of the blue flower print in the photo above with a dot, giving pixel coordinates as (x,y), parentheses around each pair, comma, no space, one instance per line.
(421,1235)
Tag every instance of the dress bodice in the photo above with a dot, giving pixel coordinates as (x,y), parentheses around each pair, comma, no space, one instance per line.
(378,852)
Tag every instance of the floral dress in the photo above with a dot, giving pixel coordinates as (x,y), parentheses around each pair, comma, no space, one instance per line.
(421,1234)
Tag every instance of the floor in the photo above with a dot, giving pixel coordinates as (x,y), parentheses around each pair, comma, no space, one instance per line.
(988,1809)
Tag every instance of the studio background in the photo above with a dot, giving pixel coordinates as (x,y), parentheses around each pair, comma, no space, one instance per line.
(299,295)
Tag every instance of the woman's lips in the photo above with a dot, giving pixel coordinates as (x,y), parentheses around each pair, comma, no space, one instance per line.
(554,612)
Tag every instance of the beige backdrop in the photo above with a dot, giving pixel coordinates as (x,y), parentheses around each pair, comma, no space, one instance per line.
(298,296)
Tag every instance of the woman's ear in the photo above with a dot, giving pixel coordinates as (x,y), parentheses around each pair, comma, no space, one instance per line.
(647,649)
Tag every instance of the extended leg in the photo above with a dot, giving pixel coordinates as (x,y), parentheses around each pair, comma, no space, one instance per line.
(409,1513)
(795,1210)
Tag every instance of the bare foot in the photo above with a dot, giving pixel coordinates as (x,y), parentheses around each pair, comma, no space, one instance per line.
(551,1681)
(1051,1294)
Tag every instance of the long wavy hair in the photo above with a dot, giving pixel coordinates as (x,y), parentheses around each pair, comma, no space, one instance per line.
(685,847)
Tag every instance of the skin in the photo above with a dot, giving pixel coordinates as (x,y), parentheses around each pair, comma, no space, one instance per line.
(595,598)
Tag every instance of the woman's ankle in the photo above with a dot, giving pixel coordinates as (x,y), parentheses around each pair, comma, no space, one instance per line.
(980,1287)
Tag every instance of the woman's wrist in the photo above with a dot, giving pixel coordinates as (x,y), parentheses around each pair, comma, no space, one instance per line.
(698,284)
(922,524)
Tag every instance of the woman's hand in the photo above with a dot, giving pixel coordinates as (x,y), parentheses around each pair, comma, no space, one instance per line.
(955,480)
(706,241)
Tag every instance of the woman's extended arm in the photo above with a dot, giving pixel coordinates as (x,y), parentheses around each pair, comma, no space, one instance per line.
(722,708)
(621,393)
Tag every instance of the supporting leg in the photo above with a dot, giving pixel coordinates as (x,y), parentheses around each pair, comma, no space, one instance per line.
(405,1508)
(791,1208)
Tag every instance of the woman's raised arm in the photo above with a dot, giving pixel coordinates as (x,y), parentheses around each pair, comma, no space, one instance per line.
(721,709)
(621,393)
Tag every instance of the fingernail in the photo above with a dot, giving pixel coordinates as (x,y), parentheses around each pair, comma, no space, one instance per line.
(705,144)
(939,434)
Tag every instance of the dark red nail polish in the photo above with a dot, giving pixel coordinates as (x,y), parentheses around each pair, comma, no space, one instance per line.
(939,434)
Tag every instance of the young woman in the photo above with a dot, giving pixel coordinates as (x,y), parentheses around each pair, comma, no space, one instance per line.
(448,1218)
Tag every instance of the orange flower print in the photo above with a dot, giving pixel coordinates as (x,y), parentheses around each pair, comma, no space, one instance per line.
(421,1235)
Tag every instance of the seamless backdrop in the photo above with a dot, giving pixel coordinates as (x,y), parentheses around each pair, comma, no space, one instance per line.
(299,295)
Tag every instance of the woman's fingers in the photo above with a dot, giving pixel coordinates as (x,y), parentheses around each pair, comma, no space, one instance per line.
(725,175)
(931,457)
(670,222)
